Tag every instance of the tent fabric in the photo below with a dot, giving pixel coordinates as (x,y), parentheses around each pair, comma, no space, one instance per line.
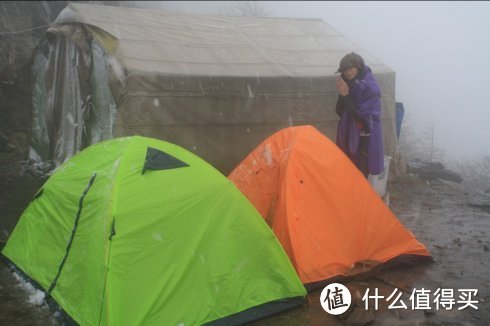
(215,85)
(180,246)
(158,160)
(171,43)
(324,212)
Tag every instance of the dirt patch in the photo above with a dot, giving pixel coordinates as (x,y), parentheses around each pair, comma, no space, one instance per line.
(15,194)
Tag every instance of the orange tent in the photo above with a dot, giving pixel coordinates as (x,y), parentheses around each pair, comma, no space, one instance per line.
(326,215)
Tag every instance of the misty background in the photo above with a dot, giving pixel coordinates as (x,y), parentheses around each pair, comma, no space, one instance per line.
(439,51)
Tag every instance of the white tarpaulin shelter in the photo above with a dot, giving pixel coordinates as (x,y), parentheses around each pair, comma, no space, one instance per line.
(216,85)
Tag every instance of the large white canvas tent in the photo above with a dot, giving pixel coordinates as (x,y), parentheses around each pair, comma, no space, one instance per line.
(216,85)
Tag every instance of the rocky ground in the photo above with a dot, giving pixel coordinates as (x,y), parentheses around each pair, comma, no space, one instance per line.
(452,221)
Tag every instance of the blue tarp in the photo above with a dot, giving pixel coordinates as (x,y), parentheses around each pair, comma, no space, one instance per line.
(400,111)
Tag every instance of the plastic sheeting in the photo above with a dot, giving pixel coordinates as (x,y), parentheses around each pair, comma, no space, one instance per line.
(215,85)
(39,130)
(102,106)
(60,95)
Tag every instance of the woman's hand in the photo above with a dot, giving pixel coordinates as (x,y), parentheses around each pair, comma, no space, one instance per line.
(342,86)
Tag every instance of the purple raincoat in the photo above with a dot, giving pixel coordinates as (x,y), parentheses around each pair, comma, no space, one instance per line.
(366,95)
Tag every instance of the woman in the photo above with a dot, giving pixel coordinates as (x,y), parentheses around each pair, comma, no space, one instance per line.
(359,132)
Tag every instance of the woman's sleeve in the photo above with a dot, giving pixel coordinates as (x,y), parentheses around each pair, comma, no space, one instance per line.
(339,107)
(370,103)
(345,103)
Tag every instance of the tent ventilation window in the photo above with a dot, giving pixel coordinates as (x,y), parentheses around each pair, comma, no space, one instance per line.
(158,160)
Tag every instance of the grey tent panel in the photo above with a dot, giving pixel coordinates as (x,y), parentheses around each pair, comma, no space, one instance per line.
(215,85)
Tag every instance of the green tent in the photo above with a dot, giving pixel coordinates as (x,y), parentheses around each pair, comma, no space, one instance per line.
(137,231)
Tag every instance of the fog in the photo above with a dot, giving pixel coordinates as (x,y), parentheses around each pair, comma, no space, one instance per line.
(440,52)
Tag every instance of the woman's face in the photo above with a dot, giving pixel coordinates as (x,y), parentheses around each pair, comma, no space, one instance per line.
(350,73)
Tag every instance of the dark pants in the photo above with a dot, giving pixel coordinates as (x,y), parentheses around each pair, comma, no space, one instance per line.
(362,163)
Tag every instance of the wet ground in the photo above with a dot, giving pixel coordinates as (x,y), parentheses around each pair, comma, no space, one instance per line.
(453,222)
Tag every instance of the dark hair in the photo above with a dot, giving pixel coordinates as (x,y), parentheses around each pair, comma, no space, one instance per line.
(351,60)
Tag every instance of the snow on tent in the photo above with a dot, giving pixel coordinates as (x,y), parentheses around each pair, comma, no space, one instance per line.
(137,231)
(215,85)
(327,216)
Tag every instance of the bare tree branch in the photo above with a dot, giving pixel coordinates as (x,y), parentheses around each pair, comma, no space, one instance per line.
(419,145)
